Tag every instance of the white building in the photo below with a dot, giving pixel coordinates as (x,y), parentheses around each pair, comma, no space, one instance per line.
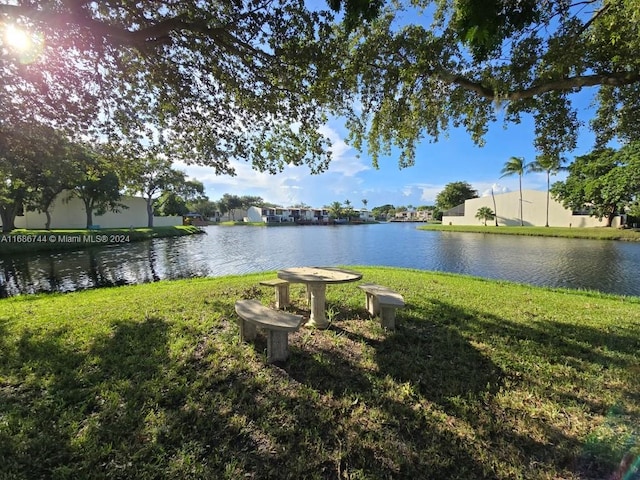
(72,214)
(365,215)
(413,215)
(281,215)
(534,211)
(297,215)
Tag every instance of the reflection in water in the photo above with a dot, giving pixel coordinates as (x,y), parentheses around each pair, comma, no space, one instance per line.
(9,277)
(554,262)
(588,264)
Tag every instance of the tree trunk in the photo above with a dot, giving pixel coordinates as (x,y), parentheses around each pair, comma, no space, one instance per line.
(47,205)
(521,219)
(8,216)
(149,212)
(611,216)
(89,210)
(547,222)
(495,210)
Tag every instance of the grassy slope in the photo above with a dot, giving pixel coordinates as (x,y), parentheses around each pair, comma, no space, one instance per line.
(482,379)
(599,233)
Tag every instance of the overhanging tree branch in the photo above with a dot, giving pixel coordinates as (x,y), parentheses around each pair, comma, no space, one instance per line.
(157,33)
(616,79)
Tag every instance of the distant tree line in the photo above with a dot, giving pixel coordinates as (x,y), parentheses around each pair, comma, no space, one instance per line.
(38,164)
(388,211)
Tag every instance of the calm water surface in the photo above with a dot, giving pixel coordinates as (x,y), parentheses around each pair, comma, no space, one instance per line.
(607,266)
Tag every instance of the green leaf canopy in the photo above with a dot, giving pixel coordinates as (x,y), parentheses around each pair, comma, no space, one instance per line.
(208,80)
(423,67)
(606,182)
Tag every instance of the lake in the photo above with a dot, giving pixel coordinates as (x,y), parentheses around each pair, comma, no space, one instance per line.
(607,266)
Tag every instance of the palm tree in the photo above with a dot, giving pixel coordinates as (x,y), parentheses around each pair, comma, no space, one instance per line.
(551,165)
(515,165)
(495,209)
(348,210)
(484,214)
(335,210)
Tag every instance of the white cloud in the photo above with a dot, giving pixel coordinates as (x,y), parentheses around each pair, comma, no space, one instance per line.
(429,192)
(272,188)
(344,159)
(292,185)
(407,191)
(496,188)
(424,193)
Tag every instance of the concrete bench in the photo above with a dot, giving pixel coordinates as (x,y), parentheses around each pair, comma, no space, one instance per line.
(277,325)
(383,301)
(282,291)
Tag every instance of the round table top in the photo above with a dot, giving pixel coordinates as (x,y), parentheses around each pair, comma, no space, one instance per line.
(318,275)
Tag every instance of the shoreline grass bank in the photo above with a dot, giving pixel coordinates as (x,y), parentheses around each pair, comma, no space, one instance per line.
(482,379)
(592,233)
(27,241)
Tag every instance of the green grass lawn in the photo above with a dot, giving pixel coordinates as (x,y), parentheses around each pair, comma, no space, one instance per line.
(596,233)
(482,379)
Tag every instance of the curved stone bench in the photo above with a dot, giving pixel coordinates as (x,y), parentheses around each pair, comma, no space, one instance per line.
(383,301)
(277,325)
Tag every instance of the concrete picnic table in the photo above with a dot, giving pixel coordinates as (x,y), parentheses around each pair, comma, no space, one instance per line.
(317,279)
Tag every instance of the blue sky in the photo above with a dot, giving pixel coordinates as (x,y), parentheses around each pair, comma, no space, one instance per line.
(352,177)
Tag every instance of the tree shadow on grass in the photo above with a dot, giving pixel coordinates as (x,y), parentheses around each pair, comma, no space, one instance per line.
(75,399)
(571,348)
(455,405)
(380,437)
(582,369)
(423,402)
(329,428)
(125,406)
(562,368)
(409,439)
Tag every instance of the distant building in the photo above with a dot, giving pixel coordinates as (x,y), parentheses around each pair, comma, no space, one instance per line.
(72,214)
(272,215)
(194,218)
(365,215)
(296,215)
(534,211)
(413,215)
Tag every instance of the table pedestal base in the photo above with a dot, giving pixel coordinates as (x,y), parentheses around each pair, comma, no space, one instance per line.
(316,280)
(317,292)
